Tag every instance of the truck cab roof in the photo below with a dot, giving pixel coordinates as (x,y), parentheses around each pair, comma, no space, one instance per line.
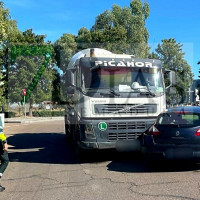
(102,54)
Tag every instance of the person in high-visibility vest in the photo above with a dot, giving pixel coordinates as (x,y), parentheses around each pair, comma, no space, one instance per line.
(3,155)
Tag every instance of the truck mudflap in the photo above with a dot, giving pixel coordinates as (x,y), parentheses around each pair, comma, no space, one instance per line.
(128,145)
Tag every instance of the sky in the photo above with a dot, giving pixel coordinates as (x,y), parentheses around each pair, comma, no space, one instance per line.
(179,19)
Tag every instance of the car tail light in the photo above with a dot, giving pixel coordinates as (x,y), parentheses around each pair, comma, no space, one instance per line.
(153,131)
(181,112)
(197,132)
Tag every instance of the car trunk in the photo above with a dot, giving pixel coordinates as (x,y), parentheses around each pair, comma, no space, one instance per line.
(178,128)
(170,134)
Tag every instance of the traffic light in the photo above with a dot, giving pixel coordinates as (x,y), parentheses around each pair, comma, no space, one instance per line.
(24,92)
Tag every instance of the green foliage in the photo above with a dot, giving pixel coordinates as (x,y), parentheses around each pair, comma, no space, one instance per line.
(25,50)
(48,113)
(65,47)
(31,69)
(8,27)
(8,33)
(40,50)
(84,39)
(171,54)
(57,92)
(10,114)
(120,30)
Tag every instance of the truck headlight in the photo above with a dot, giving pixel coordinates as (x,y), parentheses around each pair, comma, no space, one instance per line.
(89,131)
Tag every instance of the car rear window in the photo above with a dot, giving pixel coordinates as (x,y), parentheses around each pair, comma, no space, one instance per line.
(182,118)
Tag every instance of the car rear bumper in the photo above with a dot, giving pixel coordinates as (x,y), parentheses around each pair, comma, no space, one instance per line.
(171,151)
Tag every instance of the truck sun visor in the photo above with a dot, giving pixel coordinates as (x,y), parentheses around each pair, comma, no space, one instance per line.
(95,63)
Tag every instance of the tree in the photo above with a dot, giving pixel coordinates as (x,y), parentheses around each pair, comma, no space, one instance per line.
(65,47)
(120,30)
(25,66)
(84,39)
(171,54)
(8,33)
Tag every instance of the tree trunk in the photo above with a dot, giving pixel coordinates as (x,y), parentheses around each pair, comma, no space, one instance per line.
(31,108)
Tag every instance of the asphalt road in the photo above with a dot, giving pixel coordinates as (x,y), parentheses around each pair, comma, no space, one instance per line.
(43,166)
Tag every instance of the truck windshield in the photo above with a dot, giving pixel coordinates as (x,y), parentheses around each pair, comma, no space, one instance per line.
(124,79)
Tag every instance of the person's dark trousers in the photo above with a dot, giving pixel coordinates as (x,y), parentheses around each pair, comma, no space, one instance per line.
(4,161)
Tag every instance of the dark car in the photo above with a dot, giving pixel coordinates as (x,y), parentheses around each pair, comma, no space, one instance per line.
(175,134)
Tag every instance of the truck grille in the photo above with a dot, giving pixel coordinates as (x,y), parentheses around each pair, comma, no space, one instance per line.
(125,130)
(123,136)
(125,108)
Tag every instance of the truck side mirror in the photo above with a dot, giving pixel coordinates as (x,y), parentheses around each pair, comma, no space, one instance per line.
(172,90)
(172,78)
(69,77)
(70,90)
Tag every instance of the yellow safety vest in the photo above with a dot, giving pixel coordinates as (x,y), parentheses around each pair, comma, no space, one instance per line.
(2,137)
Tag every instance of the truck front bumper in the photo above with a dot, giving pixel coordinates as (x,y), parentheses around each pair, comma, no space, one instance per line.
(120,134)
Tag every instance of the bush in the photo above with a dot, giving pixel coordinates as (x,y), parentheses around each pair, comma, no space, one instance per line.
(10,114)
(48,113)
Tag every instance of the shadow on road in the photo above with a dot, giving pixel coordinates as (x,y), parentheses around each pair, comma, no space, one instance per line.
(41,148)
(152,164)
(52,148)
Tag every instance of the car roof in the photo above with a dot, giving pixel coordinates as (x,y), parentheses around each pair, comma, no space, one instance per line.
(192,109)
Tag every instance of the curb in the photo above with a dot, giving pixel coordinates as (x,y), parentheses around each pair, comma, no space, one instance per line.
(32,120)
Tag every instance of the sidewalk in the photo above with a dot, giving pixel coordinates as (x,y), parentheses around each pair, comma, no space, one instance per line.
(27,120)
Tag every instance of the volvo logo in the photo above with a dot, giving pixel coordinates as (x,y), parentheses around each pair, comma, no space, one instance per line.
(177,133)
(127,109)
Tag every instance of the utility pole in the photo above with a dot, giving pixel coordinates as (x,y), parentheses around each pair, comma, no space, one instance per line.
(24,94)
(189,95)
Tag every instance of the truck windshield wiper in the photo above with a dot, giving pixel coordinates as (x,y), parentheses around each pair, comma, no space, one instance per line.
(110,92)
(94,67)
(144,92)
(149,93)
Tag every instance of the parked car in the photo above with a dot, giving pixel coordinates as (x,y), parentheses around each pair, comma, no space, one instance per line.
(175,134)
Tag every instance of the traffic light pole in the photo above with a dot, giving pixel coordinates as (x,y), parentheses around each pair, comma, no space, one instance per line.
(24,106)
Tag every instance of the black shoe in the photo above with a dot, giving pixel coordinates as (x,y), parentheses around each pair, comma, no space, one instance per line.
(2,188)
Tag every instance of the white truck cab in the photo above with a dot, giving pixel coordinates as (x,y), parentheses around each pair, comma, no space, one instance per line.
(113,98)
